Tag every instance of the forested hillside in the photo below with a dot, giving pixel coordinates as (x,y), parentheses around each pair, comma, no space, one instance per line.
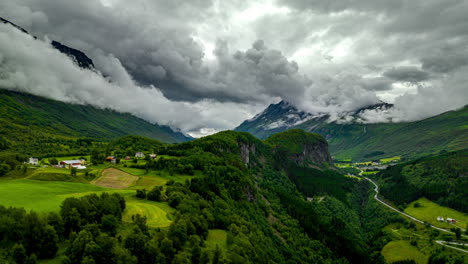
(37,126)
(239,189)
(441,178)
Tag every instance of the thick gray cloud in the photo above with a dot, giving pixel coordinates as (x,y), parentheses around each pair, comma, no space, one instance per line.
(406,74)
(445,62)
(34,66)
(329,56)
(377,84)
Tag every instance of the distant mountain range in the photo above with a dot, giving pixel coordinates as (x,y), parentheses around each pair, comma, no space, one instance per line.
(353,139)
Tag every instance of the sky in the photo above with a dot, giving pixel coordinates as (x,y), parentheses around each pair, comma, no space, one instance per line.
(203,66)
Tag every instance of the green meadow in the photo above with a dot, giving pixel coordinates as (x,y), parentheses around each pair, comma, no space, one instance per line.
(429,211)
(158,214)
(41,196)
(44,189)
(387,160)
(403,250)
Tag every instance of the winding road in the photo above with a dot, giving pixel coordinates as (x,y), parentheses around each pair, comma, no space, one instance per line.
(440,242)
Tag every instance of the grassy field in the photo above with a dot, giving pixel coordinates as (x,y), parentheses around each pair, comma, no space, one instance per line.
(41,196)
(429,211)
(354,177)
(413,243)
(216,237)
(148,182)
(158,214)
(344,165)
(116,179)
(402,250)
(53,185)
(155,178)
(369,172)
(386,160)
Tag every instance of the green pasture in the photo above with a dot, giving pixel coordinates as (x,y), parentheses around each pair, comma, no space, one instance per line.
(41,196)
(387,160)
(370,172)
(354,177)
(403,250)
(429,211)
(158,214)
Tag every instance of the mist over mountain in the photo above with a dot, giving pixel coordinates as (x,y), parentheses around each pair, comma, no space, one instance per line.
(353,135)
(223,64)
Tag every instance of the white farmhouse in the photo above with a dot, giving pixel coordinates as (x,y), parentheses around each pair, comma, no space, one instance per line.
(33,161)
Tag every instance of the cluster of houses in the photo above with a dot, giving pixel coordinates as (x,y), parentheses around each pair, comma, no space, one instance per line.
(448,220)
(372,168)
(138,155)
(141,155)
(81,163)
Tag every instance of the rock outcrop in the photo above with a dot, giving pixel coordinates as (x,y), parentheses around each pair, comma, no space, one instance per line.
(302,148)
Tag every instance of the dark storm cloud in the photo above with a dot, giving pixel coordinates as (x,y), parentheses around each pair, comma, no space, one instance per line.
(34,66)
(342,5)
(329,56)
(406,74)
(377,84)
(160,53)
(445,62)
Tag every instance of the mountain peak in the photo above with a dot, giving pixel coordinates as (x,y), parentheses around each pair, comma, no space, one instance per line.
(78,56)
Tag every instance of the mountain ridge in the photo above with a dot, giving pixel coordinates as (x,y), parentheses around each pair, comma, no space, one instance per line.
(26,118)
(357,140)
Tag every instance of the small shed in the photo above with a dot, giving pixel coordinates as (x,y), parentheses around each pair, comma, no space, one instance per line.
(111,159)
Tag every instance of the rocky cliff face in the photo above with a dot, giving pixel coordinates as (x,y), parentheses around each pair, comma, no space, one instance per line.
(302,148)
(313,155)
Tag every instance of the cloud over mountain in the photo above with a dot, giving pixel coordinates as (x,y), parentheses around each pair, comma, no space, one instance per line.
(224,61)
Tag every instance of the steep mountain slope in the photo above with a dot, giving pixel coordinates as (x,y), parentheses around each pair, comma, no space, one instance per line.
(355,140)
(25,118)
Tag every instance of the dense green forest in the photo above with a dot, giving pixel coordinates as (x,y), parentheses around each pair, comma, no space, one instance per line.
(441,178)
(266,217)
(277,201)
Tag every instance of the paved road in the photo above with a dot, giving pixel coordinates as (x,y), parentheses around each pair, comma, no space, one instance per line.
(444,243)
(440,242)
